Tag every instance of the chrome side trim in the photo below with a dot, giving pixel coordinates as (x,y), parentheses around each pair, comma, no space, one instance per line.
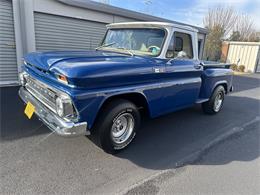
(51,120)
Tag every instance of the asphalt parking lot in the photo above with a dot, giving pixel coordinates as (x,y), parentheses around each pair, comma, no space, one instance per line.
(33,160)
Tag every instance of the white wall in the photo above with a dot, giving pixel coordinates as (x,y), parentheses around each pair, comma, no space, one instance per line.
(245,53)
(58,8)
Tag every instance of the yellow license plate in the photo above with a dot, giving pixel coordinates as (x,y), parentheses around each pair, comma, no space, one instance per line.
(29,110)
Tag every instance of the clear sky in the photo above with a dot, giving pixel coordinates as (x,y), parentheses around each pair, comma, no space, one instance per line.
(188,11)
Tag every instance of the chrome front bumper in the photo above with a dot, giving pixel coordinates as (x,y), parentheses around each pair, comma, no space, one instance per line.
(51,120)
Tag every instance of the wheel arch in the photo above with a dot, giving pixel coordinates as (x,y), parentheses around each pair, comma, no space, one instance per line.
(220,83)
(137,98)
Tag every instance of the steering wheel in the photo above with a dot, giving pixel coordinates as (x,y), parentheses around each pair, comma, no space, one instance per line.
(150,48)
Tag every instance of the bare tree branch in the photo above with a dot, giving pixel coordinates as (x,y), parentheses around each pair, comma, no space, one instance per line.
(223,23)
(244,26)
(219,21)
(222,18)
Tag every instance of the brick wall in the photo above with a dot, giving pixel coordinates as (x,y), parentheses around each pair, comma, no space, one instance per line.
(224,51)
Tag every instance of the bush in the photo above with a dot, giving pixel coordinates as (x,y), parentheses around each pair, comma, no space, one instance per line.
(234,67)
(241,68)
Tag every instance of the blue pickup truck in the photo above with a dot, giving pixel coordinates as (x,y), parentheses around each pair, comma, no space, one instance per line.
(149,66)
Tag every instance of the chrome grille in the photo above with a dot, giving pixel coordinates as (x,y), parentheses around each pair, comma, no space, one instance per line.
(42,92)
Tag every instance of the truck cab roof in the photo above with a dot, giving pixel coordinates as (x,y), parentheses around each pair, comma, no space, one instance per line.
(166,25)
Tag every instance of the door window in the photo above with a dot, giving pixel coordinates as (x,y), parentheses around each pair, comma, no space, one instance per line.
(180,46)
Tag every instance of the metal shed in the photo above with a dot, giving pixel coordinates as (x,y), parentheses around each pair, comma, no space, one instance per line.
(244,53)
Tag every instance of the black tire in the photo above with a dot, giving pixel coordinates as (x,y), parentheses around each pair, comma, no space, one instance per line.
(210,107)
(112,113)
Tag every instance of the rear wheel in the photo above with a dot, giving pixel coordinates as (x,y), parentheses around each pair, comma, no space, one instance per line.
(117,125)
(215,102)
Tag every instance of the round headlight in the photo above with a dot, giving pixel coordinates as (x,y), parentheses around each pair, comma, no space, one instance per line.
(59,107)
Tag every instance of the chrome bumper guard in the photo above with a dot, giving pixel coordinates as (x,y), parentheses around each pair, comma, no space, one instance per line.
(51,120)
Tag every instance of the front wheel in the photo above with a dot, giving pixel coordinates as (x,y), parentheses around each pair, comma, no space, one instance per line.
(117,125)
(215,103)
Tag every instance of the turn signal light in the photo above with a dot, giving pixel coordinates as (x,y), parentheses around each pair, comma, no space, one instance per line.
(63,79)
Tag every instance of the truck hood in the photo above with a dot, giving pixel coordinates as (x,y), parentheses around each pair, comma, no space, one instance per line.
(45,60)
(87,68)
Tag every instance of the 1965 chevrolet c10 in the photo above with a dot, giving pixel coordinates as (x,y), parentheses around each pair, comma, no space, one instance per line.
(152,66)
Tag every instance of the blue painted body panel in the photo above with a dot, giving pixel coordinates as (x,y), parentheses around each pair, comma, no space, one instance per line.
(95,76)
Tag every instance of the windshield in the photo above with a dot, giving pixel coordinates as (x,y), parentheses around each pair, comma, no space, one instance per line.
(144,41)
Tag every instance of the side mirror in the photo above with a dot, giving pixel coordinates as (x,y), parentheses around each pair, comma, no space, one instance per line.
(170,61)
(202,63)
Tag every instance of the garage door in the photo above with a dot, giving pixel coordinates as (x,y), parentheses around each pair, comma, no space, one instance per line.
(54,32)
(8,63)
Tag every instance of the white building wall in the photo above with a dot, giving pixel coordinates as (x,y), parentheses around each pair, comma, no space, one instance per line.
(244,53)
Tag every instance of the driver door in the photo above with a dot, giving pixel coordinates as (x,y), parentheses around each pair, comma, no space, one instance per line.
(184,71)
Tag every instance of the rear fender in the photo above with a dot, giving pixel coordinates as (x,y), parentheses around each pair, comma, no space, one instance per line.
(224,83)
(211,78)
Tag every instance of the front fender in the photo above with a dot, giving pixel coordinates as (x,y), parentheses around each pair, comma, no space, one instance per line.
(89,104)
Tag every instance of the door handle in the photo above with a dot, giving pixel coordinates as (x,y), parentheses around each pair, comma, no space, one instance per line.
(158,70)
(197,66)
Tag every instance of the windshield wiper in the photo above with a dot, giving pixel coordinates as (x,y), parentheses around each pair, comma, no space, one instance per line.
(105,45)
(127,50)
(109,44)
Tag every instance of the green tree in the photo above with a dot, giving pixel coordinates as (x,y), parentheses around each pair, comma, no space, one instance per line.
(214,43)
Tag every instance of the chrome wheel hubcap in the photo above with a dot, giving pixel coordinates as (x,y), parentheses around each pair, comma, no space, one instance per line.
(218,102)
(122,128)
